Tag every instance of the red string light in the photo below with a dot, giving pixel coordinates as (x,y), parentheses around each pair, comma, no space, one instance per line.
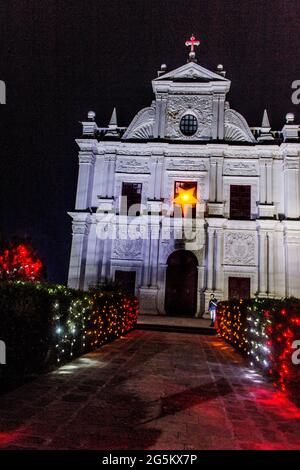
(20,263)
(264,329)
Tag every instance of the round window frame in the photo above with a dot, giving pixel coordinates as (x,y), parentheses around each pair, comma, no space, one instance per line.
(182,118)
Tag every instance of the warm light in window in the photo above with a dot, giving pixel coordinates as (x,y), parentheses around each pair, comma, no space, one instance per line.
(185,196)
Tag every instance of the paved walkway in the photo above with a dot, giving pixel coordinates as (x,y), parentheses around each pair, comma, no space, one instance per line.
(174,321)
(151,390)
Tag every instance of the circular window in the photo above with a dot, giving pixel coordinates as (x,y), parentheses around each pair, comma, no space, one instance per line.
(188,124)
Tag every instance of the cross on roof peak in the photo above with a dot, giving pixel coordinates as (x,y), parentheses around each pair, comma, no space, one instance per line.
(192,42)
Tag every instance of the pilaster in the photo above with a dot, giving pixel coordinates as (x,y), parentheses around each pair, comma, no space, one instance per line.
(86,173)
(80,229)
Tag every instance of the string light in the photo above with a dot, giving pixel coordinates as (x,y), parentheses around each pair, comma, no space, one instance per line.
(83,321)
(20,262)
(264,330)
(93,320)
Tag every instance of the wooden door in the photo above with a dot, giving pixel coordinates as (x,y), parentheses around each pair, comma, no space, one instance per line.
(238,288)
(181,284)
(126,280)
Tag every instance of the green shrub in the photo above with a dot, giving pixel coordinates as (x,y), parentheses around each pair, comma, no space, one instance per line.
(47,325)
(265,331)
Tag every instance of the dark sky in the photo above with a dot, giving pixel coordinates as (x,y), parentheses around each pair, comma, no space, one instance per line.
(61,58)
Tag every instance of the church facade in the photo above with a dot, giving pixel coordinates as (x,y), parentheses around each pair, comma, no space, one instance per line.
(188,200)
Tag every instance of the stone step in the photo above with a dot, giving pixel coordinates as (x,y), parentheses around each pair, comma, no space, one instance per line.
(176,328)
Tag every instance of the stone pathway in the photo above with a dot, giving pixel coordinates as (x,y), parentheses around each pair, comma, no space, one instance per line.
(151,390)
(174,321)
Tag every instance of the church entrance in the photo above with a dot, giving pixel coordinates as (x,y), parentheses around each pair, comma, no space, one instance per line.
(181,284)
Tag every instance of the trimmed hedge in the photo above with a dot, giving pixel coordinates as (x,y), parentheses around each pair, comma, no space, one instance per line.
(44,325)
(265,331)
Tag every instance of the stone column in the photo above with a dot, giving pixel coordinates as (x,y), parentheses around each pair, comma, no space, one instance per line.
(162,288)
(148,291)
(215,110)
(293,262)
(92,258)
(220,181)
(111,175)
(262,262)
(155,229)
(85,180)
(269,182)
(221,117)
(158,180)
(262,188)
(271,262)
(159,122)
(152,179)
(219,258)
(146,255)
(99,184)
(280,271)
(278,185)
(80,228)
(291,183)
(105,268)
(210,258)
(212,185)
(201,280)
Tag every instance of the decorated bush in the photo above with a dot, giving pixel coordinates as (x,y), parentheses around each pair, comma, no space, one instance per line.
(268,332)
(18,261)
(46,325)
(25,326)
(112,315)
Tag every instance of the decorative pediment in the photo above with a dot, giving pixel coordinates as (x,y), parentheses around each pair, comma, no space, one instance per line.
(191,71)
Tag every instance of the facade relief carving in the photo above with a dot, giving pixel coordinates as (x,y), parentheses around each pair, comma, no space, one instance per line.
(186,164)
(240,168)
(240,248)
(109,158)
(130,151)
(179,105)
(132,165)
(127,249)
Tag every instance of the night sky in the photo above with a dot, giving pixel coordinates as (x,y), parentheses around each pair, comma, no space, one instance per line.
(61,58)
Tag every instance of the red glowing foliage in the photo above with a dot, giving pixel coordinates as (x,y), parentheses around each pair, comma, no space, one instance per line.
(264,330)
(20,263)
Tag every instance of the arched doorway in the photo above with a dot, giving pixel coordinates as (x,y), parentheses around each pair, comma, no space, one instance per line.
(181,284)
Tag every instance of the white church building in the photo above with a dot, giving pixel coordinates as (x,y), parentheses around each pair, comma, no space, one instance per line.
(188,200)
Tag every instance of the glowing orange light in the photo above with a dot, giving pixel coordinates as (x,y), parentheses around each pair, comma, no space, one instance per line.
(185,196)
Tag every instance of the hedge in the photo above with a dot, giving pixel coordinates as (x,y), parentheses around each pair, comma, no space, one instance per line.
(46,325)
(266,331)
